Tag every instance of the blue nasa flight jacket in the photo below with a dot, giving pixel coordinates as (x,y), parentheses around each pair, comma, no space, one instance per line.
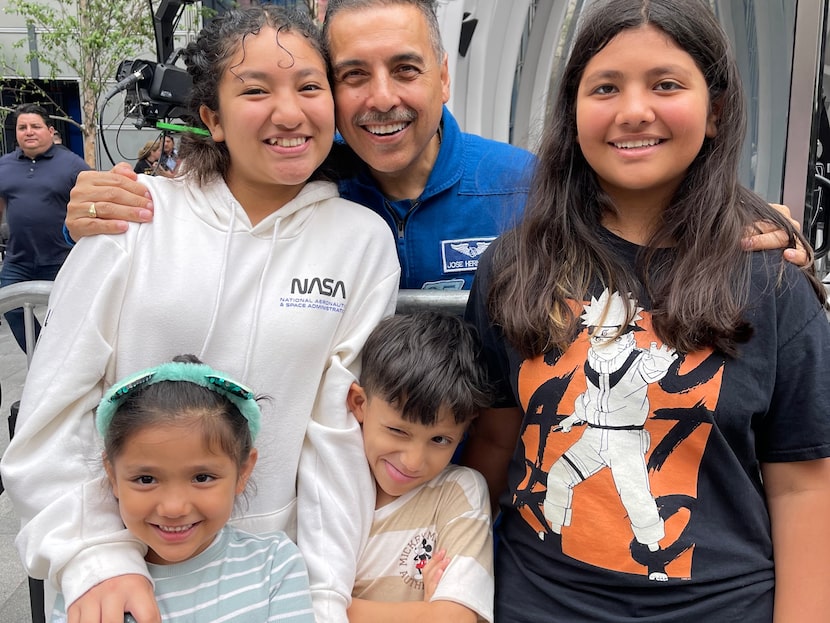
(477,190)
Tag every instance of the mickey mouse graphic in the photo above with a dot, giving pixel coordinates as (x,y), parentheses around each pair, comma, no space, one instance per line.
(423,554)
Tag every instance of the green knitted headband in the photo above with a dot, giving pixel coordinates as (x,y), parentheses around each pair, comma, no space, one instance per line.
(198,373)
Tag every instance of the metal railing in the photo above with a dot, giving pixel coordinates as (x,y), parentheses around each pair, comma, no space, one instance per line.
(450,301)
(28,295)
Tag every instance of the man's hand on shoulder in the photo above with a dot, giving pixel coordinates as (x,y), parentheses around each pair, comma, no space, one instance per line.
(104,202)
(765,236)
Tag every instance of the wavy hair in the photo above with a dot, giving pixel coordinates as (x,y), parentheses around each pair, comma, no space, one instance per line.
(208,58)
(148,148)
(558,250)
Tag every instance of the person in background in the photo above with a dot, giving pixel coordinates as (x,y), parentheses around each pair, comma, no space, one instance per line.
(170,155)
(430,553)
(257,266)
(150,160)
(56,138)
(660,442)
(35,180)
(178,452)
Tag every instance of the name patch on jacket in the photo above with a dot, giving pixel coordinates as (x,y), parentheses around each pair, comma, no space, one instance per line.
(459,256)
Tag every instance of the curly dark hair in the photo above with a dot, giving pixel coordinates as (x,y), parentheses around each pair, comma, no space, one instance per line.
(207,59)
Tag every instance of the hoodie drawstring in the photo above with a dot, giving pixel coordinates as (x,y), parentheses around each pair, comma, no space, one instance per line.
(220,290)
(258,301)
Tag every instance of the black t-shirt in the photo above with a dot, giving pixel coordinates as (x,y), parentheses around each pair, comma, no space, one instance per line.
(635,491)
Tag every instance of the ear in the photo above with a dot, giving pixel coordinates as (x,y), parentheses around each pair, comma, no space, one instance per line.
(356,401)
(110,470)
(245,471)
(445,79)
(211,119)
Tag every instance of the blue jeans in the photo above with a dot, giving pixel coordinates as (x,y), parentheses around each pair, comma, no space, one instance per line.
(15,273)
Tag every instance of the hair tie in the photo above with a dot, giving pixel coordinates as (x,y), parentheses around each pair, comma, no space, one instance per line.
(198,373)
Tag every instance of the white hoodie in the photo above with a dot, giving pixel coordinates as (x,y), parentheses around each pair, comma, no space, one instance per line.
(285,306)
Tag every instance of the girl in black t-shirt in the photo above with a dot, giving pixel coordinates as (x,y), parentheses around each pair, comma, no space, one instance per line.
(662,412)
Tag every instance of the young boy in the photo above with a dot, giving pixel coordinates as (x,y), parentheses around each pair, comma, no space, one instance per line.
(429,555)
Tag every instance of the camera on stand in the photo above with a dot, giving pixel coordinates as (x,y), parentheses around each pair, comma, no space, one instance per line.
(157,91)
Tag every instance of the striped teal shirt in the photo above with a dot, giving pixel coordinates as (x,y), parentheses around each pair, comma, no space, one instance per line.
(240,577)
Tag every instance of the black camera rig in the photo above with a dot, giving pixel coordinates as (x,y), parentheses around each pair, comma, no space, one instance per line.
(155,90)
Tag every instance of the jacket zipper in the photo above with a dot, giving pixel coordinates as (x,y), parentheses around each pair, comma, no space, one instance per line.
(400,223)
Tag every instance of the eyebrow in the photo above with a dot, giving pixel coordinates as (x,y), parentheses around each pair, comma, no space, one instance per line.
(614,74)
(409,57)
(255,74)
(144,469)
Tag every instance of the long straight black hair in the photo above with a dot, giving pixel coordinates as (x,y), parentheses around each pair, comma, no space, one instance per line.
(557,251)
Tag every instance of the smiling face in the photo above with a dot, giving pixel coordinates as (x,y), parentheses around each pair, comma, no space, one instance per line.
(390,89)
(174,491)
(276,116)
(642,113)
(34,134)
(402,454)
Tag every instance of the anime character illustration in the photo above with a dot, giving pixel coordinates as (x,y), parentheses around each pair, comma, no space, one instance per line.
(614,407)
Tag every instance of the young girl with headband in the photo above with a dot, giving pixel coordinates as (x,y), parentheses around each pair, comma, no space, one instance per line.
(257,266)
(662,436)
(178,451)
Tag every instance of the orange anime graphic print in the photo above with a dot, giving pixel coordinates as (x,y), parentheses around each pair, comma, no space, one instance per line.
(613,439)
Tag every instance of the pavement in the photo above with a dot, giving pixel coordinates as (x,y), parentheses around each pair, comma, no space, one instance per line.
(14,589)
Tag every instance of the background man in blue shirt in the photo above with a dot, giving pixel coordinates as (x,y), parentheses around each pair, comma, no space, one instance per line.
(35,180)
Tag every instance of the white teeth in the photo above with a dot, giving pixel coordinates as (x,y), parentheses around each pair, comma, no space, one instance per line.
(176,528)
(287,142)
(386,129)
(648,142)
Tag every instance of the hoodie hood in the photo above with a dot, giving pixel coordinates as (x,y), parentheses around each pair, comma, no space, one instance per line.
(214,204)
